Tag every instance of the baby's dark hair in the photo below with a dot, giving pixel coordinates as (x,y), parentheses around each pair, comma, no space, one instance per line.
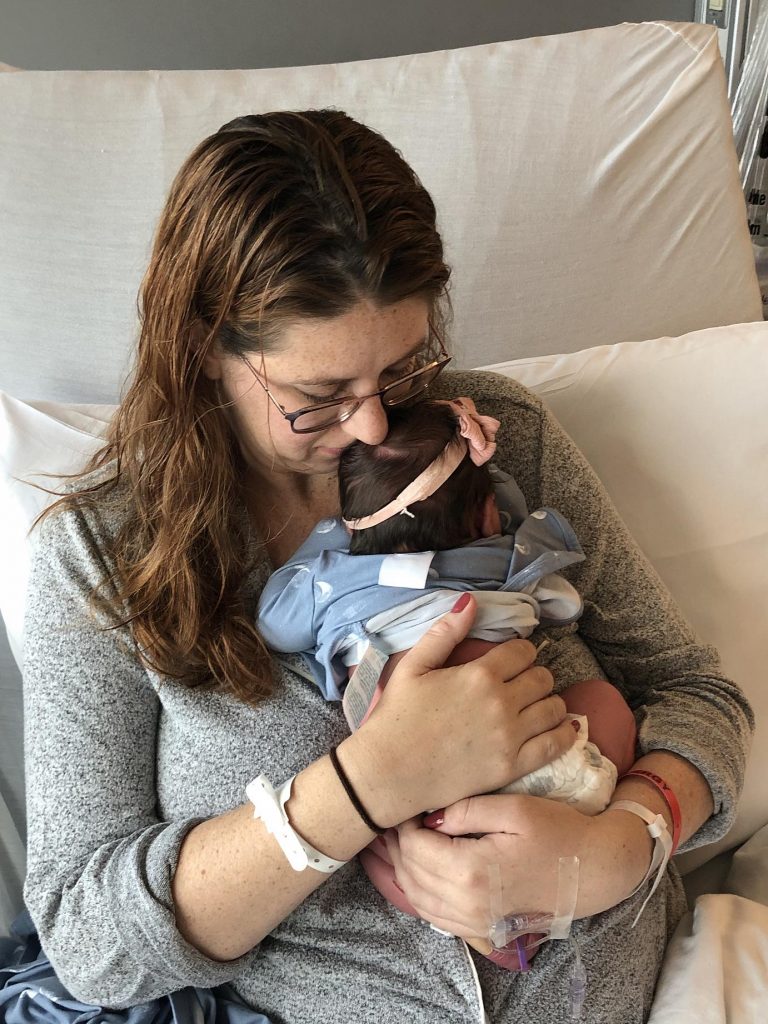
(370,476)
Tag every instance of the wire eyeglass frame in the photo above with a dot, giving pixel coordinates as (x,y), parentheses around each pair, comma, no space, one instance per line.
(352,402)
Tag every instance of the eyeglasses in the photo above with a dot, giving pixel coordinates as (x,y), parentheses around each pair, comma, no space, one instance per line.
(398,392)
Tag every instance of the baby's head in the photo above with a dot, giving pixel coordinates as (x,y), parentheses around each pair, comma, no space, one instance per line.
(462,508)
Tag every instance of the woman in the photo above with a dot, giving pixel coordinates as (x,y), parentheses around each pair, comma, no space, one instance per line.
(297,263)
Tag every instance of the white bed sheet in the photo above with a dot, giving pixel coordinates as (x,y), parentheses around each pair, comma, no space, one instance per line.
(716,967)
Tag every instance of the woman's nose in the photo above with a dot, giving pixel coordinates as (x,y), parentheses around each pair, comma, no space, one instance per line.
(369,422)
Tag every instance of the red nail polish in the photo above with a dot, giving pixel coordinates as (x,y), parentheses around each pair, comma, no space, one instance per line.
(435,819)
(462,602)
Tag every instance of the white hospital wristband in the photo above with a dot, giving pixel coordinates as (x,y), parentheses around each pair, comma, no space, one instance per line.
(662,845)
(269,805)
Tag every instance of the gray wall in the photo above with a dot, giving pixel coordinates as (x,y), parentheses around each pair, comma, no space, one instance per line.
(136,34)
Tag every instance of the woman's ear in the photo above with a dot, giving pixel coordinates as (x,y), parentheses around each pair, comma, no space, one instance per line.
(489,519)
(213,359)
(212,363)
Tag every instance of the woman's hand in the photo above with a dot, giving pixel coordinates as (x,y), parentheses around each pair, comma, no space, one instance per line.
(464,884)
(440,734)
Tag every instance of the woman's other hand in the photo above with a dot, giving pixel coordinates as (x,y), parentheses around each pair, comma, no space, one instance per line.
(460,883)
(440,734)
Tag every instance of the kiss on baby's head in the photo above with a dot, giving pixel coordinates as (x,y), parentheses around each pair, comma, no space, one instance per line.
(370,476)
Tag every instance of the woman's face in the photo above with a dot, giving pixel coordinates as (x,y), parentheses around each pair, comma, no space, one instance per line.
(354,354)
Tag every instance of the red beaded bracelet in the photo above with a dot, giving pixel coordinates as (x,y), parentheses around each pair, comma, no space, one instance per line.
(669,798)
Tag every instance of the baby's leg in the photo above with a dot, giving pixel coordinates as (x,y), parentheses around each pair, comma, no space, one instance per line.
(611,723)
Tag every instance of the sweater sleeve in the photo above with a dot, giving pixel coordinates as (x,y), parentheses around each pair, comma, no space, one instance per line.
(100,861)
(683,701)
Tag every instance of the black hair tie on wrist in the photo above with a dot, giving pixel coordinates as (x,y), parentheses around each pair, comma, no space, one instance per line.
(369,822)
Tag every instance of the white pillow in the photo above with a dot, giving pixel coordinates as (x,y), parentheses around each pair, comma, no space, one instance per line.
(35,439)
(586,183)
(715,969)
(677,430)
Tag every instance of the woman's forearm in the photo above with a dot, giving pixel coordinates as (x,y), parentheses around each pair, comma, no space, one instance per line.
(625,843)
(233,883)
(686,781)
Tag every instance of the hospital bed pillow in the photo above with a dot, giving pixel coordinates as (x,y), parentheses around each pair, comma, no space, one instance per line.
(586,184)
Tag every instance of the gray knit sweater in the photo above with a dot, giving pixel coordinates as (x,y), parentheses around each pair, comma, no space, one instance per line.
(121,765)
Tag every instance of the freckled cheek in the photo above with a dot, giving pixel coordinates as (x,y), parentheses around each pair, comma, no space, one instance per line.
(250,425)
(254,431)
(278,439)
(265,433)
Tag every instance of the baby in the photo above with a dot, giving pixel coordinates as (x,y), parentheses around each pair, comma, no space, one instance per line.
(425,514)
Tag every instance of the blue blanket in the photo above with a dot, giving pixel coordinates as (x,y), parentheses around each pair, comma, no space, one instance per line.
(30,993)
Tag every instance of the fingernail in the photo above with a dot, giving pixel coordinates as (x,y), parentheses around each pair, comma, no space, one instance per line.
(576,725)
(435,819)
(462,602)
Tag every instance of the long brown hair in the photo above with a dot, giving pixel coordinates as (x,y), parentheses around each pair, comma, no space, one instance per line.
(273,218)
